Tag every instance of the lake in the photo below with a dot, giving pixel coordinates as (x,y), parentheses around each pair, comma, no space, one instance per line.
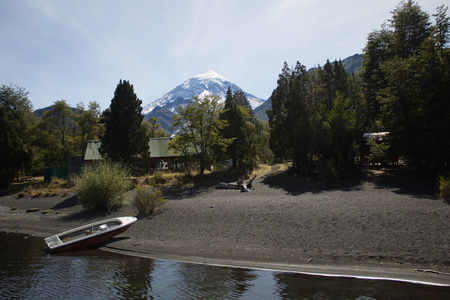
(27,271)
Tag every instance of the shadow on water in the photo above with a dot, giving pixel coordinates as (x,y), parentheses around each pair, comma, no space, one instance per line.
(295,186)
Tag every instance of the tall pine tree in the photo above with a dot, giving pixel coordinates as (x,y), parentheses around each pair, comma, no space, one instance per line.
(238,114)
(279,140)
(15,111)
(125,136)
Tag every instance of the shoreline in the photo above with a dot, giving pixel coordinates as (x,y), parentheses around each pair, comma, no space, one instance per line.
(414,274)
(383,227)
(369,271)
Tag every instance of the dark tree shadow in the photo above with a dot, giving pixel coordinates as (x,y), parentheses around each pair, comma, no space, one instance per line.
(180,193)
(66,203)
(406,181)
(87,216)
(295,186)
(401,180)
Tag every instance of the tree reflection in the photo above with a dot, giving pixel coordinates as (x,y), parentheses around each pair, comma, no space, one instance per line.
(135,277)
(215,282)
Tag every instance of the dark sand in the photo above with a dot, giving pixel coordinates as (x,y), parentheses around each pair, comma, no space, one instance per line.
(388,225)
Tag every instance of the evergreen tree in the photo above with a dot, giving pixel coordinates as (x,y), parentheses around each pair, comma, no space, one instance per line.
(278,116)
(231,115)
(401,38)
(238,114)
(411,27)
(125,135)
(297,121)
(376,52)
(15,114)
(442,28)
(241,100)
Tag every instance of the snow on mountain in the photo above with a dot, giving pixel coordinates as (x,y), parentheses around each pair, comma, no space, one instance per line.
(208,82)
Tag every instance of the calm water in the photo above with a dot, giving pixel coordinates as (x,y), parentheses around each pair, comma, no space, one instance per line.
(28,272)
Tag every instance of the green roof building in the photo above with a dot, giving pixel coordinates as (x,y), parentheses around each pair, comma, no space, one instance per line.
(160,155)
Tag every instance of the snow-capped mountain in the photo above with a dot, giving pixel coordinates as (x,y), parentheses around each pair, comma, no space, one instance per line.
(208,82)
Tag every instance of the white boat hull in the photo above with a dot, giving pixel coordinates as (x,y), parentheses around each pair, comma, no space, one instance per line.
(88,235)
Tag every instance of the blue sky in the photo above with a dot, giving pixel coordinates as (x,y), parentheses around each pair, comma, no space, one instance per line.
(79,50)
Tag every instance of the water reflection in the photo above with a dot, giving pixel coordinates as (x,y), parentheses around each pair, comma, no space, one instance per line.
(27,271)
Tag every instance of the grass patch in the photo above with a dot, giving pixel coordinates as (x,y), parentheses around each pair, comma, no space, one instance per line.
(444,187)
(264,169)
(33,210)
(159,178)
(39,189)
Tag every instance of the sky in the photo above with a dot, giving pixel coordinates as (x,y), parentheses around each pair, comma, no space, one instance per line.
(78,51)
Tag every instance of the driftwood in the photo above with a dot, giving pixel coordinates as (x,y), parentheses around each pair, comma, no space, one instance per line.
(239,185)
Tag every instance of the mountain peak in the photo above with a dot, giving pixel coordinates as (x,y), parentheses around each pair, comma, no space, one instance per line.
(206,83)
(209,74)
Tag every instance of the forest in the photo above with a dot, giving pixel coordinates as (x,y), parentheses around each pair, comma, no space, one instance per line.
(317,120)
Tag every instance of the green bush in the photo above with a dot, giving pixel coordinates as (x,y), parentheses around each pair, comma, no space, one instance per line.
(147,199)
(444,187)
(102,186)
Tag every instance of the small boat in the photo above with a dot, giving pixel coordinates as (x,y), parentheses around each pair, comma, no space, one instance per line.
(88,235)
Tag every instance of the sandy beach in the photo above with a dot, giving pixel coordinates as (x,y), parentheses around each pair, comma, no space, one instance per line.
(388,223)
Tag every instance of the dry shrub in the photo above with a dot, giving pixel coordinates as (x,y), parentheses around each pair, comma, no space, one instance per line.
(147,199)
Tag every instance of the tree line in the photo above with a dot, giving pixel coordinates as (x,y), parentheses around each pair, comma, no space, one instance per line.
(317,120)
(318,117)
(33,142)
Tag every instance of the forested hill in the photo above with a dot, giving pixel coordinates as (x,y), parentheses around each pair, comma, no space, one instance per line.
(351,64)
(40,112)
